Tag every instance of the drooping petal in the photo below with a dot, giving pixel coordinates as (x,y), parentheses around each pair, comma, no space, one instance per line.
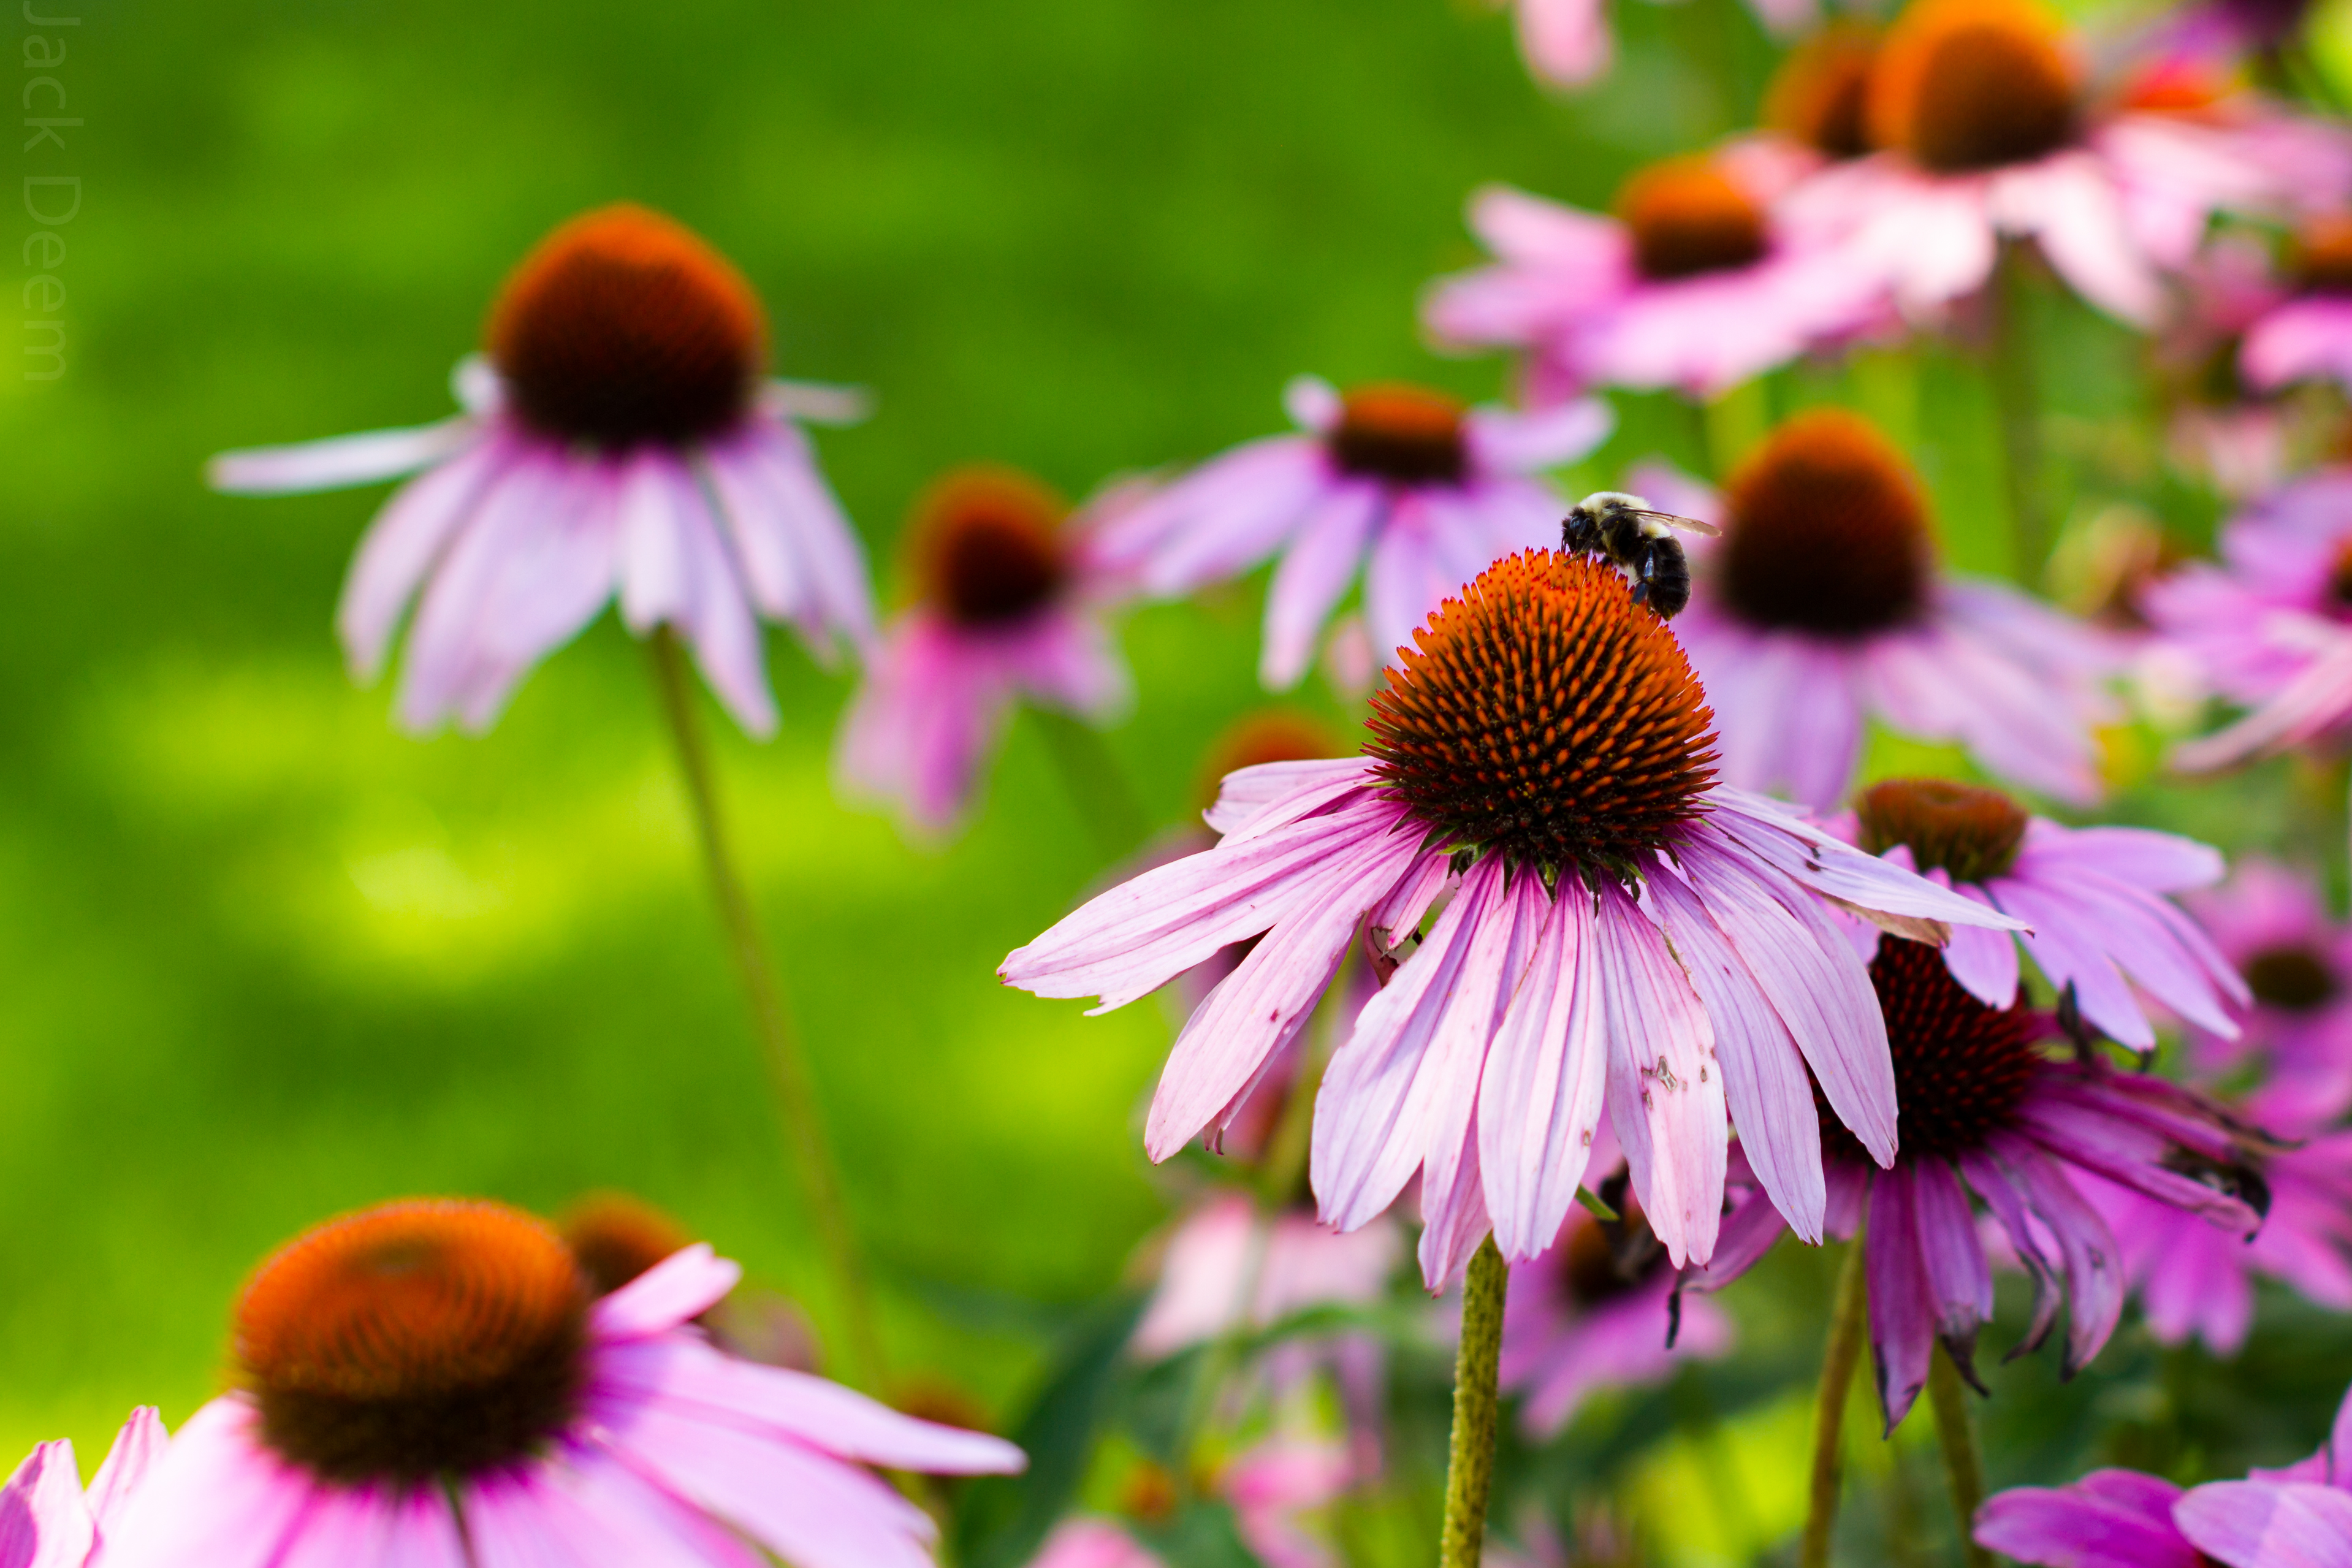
(1137,937)
(2095,1284)
(407,537)
(1765,1086)
(1370,1129)
(1959,1280)
(1539,1100)
(2004,1196)
(1902,1301)
(1271,994)
(1665,1094)
(1814,980)
(1314,573)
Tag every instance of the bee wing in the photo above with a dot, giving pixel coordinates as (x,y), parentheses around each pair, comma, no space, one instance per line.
(1687,524)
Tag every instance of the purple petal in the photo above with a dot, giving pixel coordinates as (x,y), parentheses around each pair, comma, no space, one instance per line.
(137,1448)
(1902,1301)
(1983,961)
(2094,1285)
(2003,1196)
(1246,797)
(1959,1280)
(2269,1524)
(45,1522)
(407,537)
(2110,1518)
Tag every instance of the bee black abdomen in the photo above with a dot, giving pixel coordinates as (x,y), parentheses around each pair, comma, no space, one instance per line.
(1665,580)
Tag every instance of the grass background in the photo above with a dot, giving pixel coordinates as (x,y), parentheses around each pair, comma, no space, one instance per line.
(263,958)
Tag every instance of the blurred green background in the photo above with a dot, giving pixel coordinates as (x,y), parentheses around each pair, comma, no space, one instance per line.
(263,958)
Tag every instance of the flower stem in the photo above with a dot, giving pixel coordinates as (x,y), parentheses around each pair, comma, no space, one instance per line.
(1470,1463)
(1849,1326)
(1098,785)
(2017,396)
(787,1064)
(1956,1433)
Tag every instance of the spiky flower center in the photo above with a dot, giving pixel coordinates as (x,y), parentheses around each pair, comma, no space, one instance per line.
(1818,94)
(2321,256)
(987,546)
(1969,833)
(2293,979)
(615,1238)
(422,1339)
(1404,435)
(623,328)
(1974,84)
(1960,1067)
(1826,530)
(1687,216)
(1608,1259)
(1546,717)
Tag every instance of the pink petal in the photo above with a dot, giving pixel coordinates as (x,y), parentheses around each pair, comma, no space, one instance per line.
(1764,1084)
(340,461)
(589,1509)
(686,1376)
(1566,42)
(407,537)
(1666,1097)
(44,1520)
(1814,980)
(1247,799)
(681,1285)
(2269,1524)
(2077,1527)
(1959,1280)
(1272,992)
(1374,1113)
(137,1448)
(217,1498)
(1539,1098)
(1983,961)
(1315,570)
(1130,940)
(2095,1286)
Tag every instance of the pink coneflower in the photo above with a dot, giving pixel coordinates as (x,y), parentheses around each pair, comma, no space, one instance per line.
(1010,602)
(1593,1312)
(1983,1109)
(2271,924)
(1694,285)
(2308,336)
(619,438)
(1545,754)
(1229,1267)
(1399,480)
(2196,1282)
(2094,897)
(431,1382)
(1823,605)
(47,1520)
(1990,132)
(2221,424)
(1566,43)
(2271,626)
(2121,1519)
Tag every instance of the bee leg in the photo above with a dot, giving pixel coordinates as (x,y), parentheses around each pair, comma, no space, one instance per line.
(1642,578)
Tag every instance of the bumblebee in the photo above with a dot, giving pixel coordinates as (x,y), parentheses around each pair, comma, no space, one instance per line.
(1623,529)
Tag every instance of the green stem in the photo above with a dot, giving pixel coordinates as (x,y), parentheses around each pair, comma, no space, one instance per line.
(1956,1433)
(1849,1327)
(1098,785)
(788,1071)
(2016,395)
(1470,1461)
